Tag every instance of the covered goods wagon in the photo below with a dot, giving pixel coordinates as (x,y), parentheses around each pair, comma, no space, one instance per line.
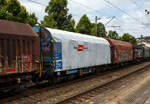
(138,52)
(18,52)
(72,50)
(146,52)
(120,51)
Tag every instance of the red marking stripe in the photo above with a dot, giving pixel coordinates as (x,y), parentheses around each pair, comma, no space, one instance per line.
(10,68)
(80,47)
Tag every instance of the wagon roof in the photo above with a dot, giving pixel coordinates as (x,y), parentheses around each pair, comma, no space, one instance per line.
(15,28)
(119,43)
(60,35)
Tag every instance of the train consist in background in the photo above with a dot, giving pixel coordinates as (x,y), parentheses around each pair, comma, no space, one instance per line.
(37,53)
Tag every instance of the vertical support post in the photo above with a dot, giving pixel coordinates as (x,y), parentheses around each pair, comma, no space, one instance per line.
(96,19)
(96,25)
(30,54)
(141,39)
(21,55)
(26,62)
(5,56)
(26,48)
(0,56)
(11,53)
(16,65)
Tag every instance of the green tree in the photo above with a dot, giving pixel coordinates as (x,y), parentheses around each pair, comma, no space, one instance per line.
(141,44)
(84,25)
(101,32)
(13,11)
(113,35)
(57,16)
(32,19)
(129,38)
(93,29)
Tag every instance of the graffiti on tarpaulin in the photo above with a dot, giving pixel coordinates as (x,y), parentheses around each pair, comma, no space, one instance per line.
(20,64)
(46,43)
(46,47)
(138,52)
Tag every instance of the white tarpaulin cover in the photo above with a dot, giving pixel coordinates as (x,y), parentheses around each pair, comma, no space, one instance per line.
(80,50)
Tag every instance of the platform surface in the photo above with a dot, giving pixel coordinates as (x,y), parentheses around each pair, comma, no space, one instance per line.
(136,92)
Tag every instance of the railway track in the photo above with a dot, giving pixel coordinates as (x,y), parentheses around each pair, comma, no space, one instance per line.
(35,89)
(103,94)
(64,92)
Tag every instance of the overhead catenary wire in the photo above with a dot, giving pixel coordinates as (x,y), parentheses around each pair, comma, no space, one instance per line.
(86,6)
(37,2)
(143,24)
(134,18)
(100,12)
(92,8)
(41,4)
(110,20)
(70,0)
(133,30)
(123,11)
(121,29)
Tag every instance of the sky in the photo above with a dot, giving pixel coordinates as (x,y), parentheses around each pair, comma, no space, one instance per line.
(130,15)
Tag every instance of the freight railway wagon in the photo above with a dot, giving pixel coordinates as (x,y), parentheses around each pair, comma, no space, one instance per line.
(146,52)
(138,52)
(49,54)
(141,52)
(65,53)
(120,51)
(17,53)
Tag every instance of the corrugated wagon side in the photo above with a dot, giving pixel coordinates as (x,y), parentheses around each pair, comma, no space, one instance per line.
(18,54)
(138,52)
(120,51)
(146,52)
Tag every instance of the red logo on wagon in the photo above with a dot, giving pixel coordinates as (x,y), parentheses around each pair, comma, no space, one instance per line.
(80,48)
